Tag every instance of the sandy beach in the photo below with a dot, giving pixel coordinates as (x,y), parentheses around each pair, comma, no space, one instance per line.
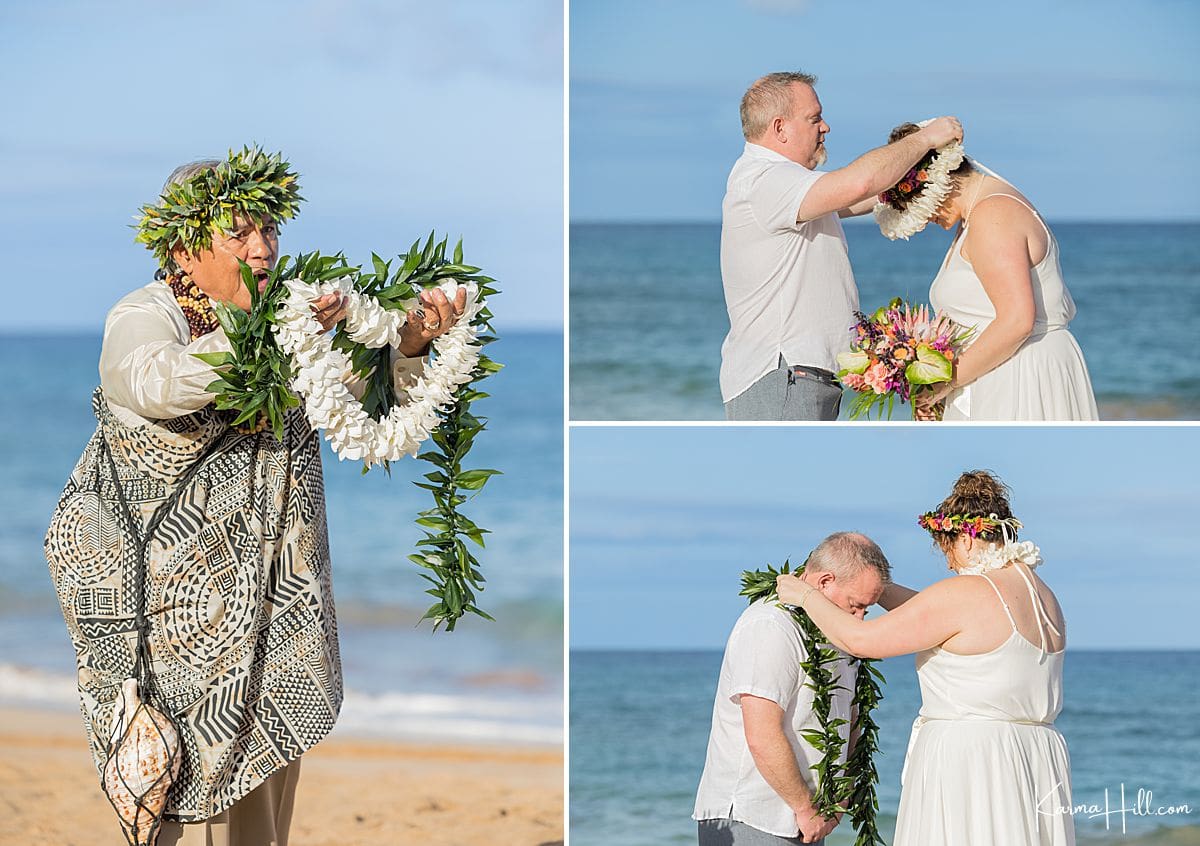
(352,791)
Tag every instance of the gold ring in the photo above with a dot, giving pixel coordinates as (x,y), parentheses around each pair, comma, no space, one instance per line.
(433,325)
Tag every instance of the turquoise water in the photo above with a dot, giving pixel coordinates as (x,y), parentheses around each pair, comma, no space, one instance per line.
(498,680)
(648,315)
(640,721)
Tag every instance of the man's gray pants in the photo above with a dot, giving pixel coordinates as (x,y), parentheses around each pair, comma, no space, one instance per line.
(734,833)
(783,395)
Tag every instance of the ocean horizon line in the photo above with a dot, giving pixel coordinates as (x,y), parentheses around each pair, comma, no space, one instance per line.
(866,220)
(698,650)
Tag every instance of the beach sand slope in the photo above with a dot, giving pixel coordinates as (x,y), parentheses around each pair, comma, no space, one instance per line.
(352,791)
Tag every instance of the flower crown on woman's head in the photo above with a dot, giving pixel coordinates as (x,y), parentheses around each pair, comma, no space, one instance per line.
(906,207)
(973,525)
(250,183)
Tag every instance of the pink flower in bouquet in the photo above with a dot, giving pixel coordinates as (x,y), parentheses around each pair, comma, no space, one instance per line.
(877,378)
(896,350)
(854,381)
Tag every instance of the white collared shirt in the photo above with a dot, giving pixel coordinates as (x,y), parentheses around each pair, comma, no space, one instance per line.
(788,286)
(148,368)
(762,658)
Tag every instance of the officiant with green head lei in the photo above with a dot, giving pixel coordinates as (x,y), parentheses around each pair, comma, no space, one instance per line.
(192,554)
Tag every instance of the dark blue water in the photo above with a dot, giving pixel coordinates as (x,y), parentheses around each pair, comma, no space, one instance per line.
(648,315)
(640,720)
(513,665)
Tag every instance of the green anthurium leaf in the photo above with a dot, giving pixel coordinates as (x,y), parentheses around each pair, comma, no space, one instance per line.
(853,362)
(929,367)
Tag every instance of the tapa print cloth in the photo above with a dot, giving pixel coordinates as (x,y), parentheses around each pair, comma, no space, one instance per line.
(238,594)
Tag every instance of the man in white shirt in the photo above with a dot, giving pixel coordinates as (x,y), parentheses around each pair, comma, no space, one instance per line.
(757,785)
(785,268)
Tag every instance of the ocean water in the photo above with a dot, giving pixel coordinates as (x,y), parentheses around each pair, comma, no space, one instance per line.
(485,681)
(639,724)
(648,313)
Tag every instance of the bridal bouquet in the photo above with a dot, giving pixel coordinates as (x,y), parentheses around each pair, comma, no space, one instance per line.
(896,352)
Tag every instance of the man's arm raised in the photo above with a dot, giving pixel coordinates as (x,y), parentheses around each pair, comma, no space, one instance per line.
(762,721)
(875,170)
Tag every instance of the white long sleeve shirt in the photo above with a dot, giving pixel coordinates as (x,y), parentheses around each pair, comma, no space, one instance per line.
(148,368)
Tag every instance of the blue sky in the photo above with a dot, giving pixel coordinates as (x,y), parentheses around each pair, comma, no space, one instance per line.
(1065,99)
(400,117)
(663,520)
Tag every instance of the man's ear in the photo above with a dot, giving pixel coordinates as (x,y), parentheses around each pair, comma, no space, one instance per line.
(183,260)
(825,579)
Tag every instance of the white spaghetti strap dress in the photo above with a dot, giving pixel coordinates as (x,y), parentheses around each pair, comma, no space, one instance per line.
(985,764)
(1046,378)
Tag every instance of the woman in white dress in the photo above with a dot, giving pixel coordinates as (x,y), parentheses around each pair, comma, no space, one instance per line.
(985,764)
(1001,276)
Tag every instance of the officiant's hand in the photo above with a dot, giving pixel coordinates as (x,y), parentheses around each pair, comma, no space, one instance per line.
(813,827)
(329,310)
(435,316)
(942,131)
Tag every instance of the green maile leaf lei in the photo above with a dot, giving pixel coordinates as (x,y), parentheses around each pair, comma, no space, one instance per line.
(849,787)
(253,382)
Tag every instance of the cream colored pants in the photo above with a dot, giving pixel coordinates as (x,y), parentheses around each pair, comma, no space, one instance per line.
(261,818)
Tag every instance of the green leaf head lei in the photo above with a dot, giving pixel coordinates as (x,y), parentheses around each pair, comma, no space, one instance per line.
(848,787)
(250,183)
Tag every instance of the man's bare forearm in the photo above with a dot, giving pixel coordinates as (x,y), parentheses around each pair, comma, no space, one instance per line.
(883,167)
(776,761)
(847,188)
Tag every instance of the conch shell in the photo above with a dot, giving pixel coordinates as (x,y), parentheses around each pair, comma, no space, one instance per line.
(143,762)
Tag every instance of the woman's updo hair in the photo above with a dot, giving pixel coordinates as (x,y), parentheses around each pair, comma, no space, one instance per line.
(906,129)
(977,493)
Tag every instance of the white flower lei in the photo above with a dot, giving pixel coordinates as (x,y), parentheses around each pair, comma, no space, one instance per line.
(996,556)
(320,370)
(902,224)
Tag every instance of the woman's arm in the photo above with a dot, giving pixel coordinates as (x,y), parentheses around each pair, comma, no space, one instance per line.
(859,208)
(895,595)
(928,619)
(1000,254)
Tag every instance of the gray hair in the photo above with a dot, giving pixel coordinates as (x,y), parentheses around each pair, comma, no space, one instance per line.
(846,554)
(185,172)
(768,98)
(178,176)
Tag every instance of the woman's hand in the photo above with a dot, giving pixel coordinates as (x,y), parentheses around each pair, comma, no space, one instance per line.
(329,310)
(435,317)
(792,589)
(930,401)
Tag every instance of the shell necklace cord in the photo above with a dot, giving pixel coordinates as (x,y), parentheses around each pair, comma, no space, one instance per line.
(194,303)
